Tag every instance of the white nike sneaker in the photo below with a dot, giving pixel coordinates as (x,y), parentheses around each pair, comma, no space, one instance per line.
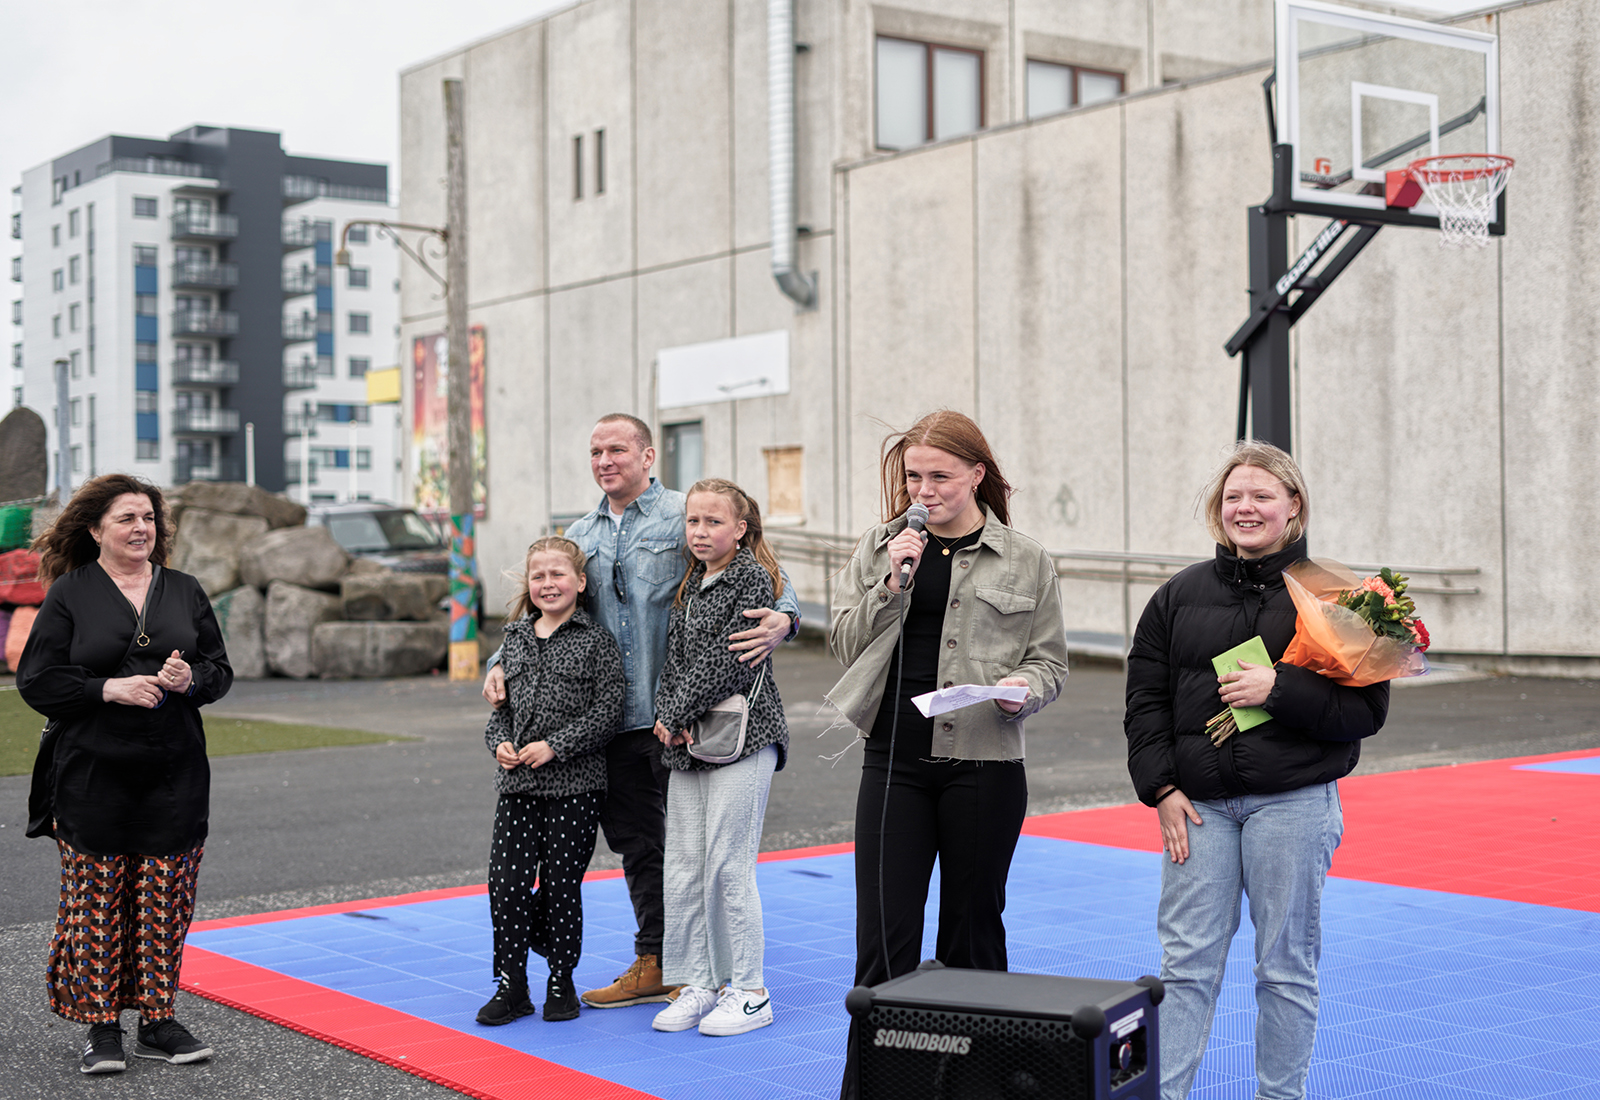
(686,1009)
(737,1011)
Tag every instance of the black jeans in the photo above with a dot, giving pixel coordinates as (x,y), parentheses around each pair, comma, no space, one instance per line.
(634,821)
(967,814)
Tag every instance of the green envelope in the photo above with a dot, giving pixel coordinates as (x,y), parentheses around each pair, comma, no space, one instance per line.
(1254,651)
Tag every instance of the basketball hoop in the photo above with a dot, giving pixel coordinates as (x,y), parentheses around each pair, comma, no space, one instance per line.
(1463,187)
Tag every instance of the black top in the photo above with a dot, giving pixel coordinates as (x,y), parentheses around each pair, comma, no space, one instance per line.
(924,630)
(1317,725)
(127,780)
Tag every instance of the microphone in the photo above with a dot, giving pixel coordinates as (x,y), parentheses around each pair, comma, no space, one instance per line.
(916,520)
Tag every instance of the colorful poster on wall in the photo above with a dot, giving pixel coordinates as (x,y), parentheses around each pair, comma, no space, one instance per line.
(430,435)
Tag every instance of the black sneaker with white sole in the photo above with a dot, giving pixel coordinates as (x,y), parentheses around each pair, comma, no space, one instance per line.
(102,1051)
(169,1041)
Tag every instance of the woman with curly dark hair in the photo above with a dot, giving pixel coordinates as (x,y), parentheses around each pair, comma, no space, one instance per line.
(121,658)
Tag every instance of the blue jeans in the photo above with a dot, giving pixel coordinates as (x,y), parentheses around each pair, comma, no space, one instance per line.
(1276,849)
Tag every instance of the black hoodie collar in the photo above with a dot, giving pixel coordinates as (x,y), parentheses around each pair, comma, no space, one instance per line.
(1258,572)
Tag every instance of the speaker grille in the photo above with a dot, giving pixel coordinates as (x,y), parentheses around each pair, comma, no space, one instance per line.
(920,1054)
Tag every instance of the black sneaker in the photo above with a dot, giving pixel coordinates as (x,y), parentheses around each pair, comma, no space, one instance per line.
(102,1051)
(510,1002)
(169,1041)
(560,999)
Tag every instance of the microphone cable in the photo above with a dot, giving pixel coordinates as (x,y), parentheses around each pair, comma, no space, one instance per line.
(888,779)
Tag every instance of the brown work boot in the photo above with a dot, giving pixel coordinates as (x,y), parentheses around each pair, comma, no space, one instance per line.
(640,985)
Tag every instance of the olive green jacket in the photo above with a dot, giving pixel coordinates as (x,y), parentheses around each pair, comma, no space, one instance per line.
(1003,619)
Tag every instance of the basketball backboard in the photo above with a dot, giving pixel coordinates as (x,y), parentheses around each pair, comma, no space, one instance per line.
(1360,93)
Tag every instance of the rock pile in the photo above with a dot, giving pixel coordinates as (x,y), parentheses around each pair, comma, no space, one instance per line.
(289,599)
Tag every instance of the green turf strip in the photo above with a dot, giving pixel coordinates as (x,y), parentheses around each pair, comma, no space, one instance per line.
(20,726)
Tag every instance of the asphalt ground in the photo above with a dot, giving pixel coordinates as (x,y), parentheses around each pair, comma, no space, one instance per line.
(324,825)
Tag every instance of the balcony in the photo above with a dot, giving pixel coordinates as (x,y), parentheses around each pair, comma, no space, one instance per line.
(205,421)
(300,423)
(303,281)
(16,227)
(205,275)
(298,235)
(213,322)
(291,472)
(299,189)
(303,327)
(301,375)
(16,269)
(205,372)
(203,225)
(302,188)
(185,470)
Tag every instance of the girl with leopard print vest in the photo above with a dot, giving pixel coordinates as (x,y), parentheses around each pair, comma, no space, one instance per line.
(714,937)
(564,693)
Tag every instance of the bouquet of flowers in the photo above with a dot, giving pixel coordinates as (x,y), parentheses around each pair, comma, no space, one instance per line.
(1355,631)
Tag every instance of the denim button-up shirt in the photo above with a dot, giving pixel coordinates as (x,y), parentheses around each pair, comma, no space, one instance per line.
(650,545)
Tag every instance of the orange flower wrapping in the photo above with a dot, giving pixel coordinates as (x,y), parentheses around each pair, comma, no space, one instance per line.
(1334,641)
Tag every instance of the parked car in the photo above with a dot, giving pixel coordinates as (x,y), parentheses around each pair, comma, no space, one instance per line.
(391,535)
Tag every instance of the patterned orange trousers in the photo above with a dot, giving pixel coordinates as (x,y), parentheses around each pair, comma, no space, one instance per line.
(119,934)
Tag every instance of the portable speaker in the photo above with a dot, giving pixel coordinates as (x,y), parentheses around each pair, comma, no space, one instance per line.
(951,1034)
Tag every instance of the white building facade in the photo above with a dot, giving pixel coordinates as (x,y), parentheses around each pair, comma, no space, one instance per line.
(158,281)
(1068,277)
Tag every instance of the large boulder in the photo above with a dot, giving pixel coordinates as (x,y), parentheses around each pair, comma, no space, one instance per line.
(242,615)
(24,455)
(304,556)
(208,545)
(292,612)
(392,597)
(378,650)
(238,499)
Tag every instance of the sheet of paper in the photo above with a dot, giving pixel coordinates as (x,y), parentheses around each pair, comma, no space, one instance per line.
(964,695)
(1254,651)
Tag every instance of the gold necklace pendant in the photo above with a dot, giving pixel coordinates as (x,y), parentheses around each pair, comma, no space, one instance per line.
(144,640)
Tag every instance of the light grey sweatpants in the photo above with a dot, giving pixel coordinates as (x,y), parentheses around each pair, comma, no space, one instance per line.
(714,931)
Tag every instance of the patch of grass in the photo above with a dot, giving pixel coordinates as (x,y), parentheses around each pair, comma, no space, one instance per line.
(20,726)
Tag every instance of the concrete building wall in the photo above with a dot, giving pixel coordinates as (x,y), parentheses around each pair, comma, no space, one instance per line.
(1069,281)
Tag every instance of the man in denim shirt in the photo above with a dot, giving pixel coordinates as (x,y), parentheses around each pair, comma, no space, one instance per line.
(634,540)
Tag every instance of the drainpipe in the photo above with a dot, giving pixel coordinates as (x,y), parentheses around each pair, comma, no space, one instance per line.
(781,184)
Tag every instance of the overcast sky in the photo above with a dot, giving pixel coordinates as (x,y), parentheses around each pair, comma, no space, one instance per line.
(324,73)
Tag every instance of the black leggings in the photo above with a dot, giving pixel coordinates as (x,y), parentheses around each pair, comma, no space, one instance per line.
(547,841)
(968,814)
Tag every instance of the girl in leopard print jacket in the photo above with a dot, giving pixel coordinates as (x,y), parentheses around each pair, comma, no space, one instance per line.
(564,692)
(714,938)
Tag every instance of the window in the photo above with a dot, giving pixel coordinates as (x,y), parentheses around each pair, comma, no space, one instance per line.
(77,456)
(324,321)
(342,414)
(149,450)
(55,323)
(600,162)
(359,367)
(58,280)
(75,411)
(75,270)
(1053,88)
(144,208)
(325,366)
(358,278)
(144,305)
(324,230)
(360,323)
(55,236)
(683,454)
(72,223)
(356,234)
(363,458)
(144,255)
(145,353)
(16,356)
(926,92)
(76,359)
(16,311)
(74,314)
(16,396)
(577,166)
(145,401)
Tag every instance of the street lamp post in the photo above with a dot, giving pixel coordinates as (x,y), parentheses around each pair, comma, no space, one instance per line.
(463,569)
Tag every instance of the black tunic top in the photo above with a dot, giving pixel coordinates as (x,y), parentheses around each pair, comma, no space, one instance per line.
(930,593)
(127,780)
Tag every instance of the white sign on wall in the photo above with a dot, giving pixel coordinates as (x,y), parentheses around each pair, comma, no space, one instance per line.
(723,370)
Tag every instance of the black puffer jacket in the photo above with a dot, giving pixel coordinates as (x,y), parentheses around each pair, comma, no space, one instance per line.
(1317,725)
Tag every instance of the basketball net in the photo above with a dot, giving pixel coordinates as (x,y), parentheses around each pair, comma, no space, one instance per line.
(1463,188)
